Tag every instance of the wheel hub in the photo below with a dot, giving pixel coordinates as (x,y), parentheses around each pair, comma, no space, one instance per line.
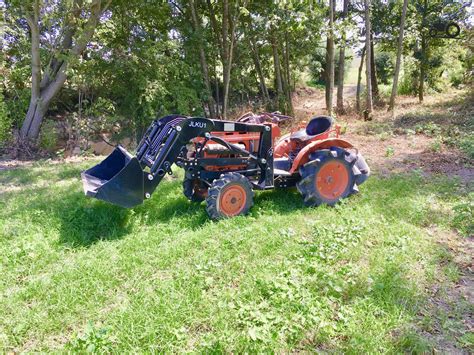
(332,180)
(232,200)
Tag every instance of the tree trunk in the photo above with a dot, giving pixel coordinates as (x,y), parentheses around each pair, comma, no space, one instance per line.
(289,105)
(35,99)
(225,58)
(218,97)
(342,59)
(368,67)
(421,87)
(203,60)
(44,90)
(258,69)
(396,74)
(330,59)
(423,59)
(227,47)
(277,70)
(359,79)
(373,68)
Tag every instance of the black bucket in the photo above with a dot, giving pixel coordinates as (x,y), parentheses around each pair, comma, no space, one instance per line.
(118,179)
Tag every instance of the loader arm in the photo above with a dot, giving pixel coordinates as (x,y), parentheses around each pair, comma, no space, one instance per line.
(164,142)
(126,180)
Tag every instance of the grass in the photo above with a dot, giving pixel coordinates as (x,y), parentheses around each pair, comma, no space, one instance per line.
(81,275)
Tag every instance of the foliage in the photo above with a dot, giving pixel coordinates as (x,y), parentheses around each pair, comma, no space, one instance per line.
(145,59)
(5,121)
(317,67)
(48,139)
(384,65)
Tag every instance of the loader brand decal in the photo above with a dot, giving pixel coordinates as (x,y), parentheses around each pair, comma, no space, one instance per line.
(229,127)
(197,124)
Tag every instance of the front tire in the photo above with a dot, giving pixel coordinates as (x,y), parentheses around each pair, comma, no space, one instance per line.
(230,195)
(328,177)
(194,190)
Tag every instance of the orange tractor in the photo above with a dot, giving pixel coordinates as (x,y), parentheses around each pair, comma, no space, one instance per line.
(225,161)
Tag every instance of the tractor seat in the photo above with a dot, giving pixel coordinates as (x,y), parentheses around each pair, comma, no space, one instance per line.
(318,125)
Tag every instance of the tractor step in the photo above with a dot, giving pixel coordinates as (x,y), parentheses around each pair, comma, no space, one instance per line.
(279,172)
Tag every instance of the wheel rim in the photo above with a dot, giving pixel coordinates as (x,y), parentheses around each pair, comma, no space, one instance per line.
(232,200)
(332,180)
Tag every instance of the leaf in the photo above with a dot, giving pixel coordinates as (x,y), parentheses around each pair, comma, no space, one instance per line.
(253,333)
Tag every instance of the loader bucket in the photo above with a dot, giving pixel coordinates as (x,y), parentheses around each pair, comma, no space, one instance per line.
(118,179)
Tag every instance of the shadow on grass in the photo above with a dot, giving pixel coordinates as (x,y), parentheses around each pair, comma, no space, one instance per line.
(168,205)
(83,221)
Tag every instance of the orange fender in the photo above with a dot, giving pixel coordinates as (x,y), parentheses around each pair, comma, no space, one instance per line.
(303,156)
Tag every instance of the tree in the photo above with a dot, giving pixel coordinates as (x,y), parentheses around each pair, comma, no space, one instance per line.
(373,70)
(368,61)
(359,79)
(342,57)
(202,58)
(396,74)
(330,59)
(75,35)
(226,38)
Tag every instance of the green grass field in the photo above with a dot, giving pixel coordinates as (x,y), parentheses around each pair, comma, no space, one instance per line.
(79,274)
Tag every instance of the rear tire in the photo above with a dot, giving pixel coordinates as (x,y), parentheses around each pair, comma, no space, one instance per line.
(328,177)
(230,195)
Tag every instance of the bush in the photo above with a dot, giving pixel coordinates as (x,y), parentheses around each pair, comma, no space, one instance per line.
(408,84)
(317,66)
(384,66)
(5,122)
(48,139)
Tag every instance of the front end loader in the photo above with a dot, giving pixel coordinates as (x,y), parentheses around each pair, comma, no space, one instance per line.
(225,161)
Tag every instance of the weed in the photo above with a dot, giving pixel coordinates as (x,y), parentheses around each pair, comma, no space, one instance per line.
(463,219)
(93,340)
(436,146)
(429,129)
(467,145)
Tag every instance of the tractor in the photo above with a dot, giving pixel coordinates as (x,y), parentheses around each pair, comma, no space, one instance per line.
(226,161)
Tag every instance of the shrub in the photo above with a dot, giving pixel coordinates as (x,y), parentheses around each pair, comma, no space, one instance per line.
(48,138)
(408,84)
(5,122)
(384,66)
